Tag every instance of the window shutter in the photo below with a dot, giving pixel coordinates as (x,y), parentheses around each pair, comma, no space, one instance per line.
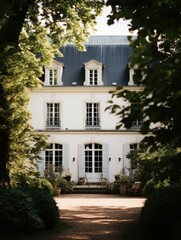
(81,160)
(106,160)
(126,150)
(65,161)
(41,163)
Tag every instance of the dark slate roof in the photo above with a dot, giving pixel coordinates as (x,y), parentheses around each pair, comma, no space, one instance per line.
(112,51)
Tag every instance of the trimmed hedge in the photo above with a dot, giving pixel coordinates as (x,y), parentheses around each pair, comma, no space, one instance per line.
(161,214)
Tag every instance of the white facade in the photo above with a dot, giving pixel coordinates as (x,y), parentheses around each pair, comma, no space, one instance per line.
(73,134)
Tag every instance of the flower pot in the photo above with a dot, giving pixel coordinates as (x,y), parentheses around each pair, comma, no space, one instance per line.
(81,181)
(123,189)
(57,192)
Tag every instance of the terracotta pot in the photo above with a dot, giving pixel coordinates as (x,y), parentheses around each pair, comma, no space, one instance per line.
(57,191)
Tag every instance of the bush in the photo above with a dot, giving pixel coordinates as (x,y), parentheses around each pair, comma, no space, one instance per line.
(17,212)
(152,186)
(66,186)
(161,214)
(46,207)
(24,181)
(23,210)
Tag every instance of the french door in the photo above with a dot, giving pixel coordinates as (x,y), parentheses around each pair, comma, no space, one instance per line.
(93,162)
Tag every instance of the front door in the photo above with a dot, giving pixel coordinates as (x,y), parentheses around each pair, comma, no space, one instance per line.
(93,162)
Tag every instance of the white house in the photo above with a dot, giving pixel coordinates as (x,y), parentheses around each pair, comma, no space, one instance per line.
(70,109)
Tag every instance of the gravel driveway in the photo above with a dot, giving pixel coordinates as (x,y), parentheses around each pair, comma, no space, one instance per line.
(99,216)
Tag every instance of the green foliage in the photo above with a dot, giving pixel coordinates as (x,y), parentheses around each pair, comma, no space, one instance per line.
(17,212)
(31,33)
(66,186)
(27,209)
(26,181)
(45,206)
(163,165)
(156,60)
(52,176)
(112,187)
(161,213)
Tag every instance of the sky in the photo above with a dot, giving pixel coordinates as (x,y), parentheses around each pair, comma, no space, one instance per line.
(118,28)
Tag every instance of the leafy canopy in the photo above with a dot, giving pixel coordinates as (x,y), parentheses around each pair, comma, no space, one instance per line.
(157,61)
(31,33)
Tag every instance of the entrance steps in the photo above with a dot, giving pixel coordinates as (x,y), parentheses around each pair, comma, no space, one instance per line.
(90,188)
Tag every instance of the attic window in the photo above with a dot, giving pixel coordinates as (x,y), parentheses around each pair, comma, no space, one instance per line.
(93,73)
(53,74)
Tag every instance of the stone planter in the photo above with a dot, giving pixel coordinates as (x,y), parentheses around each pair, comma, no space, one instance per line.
(123,188)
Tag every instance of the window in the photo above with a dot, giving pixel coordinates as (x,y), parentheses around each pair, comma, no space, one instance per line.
(93,73)
(53,74)
(53,156)
(134,146)
(92,115)
(53,77)
(93,77)
(93,158)
(136,111)
(53,115)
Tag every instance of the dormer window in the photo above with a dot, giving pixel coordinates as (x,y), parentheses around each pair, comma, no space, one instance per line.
(53,74)
(93,73)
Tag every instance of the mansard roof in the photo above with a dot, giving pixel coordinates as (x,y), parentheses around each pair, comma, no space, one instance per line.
(112,51)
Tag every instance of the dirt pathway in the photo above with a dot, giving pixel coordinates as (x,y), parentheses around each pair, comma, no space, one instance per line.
(103,217)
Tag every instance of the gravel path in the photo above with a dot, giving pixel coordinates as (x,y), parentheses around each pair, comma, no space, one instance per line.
(103,217)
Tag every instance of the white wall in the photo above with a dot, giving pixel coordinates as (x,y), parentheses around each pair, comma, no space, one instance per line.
(73,109)
(73,101)
(116,142)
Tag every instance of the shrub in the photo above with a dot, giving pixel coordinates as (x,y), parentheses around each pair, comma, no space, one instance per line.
(151,186)
(46,207)
(17,212)
(25,181)
(162,213)
(44,185)
(66,186)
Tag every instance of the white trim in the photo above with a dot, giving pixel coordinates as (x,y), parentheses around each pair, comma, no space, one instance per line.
(93,65)
(54,66)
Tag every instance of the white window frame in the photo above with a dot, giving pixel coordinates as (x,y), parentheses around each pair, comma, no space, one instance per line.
(92,117)
(95,67)
(53,116)
(137,123)
(54,156)
(134,146)
(54,67)
(93,158)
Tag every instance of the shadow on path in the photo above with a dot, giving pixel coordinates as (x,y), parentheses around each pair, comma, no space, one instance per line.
(92,217)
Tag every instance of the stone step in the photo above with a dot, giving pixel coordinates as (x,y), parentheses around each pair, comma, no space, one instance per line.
(93,188)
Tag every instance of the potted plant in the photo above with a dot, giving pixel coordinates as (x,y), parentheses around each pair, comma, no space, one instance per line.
(123,182)
(54,177)
(117,177)
(66,174)
(81,181)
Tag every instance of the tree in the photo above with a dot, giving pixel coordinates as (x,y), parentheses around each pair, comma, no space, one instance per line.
(31,33)
(156,60)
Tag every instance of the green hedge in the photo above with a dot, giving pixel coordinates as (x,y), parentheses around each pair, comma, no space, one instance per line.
(161,214)
(46,207)
(23,210)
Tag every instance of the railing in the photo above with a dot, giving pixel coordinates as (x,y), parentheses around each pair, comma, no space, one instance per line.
(53,124)
(137,124)
(92,124)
